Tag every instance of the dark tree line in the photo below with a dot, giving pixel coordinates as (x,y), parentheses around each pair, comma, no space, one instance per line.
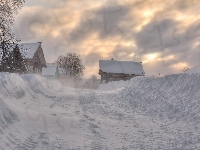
(8,40)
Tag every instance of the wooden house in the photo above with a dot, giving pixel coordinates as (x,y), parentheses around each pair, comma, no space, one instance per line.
(112,70)
(33,57)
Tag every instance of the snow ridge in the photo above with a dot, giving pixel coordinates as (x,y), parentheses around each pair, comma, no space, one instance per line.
(144,113)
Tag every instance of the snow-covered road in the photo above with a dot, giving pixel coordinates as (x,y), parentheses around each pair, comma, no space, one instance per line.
(144,113)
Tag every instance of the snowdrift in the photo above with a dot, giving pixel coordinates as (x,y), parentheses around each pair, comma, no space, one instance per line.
(144,113)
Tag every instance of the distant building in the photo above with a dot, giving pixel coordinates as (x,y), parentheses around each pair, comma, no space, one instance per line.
(112,70)
(49,71)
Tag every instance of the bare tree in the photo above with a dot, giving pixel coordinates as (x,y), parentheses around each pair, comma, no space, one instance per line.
(8,10)
(72,64)
(185,69)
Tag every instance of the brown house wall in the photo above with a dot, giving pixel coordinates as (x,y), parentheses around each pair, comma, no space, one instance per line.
(115,76)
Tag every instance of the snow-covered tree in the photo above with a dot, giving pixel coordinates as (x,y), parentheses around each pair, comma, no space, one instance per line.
(16,61)
(72,64)
(8,10)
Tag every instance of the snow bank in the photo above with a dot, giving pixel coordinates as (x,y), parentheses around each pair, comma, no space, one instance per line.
(7,116)
(144,113)
(114,85)
(169,106)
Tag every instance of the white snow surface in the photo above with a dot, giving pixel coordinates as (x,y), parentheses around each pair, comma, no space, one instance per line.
(144,113)
(114,85)
(126,67)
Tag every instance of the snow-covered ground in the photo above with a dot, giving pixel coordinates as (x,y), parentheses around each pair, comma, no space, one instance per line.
(145,113)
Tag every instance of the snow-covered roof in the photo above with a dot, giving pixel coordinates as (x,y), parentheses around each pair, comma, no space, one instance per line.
(195,69)
(28,49)
(126,67)
(51,69)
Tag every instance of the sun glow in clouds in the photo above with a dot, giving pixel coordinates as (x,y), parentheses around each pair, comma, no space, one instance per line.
(149,57)
(147,13)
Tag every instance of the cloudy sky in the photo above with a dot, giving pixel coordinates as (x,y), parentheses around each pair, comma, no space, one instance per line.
(163,34)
